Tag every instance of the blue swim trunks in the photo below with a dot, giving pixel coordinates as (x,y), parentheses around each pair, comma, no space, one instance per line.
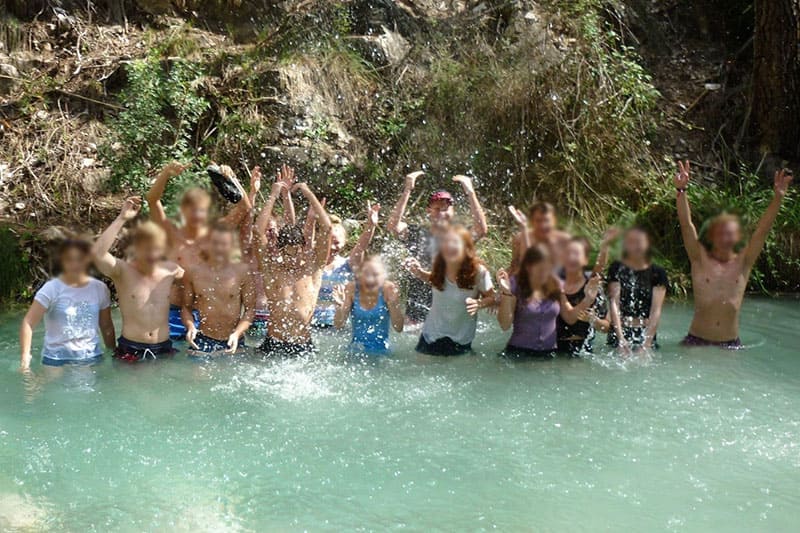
(177,331)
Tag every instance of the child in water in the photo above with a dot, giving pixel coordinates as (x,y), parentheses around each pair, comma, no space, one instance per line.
(374,304)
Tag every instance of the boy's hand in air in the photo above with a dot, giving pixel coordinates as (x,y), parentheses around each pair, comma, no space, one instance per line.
(411,179)
(465,181)
(173,168)
(519,216)
(682,177)
(130,208)
(255,180)
(373,210)
(287,176)
(783,178)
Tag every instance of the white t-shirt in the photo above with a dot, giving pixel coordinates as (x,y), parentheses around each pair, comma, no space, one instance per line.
(72,320)
(448,316)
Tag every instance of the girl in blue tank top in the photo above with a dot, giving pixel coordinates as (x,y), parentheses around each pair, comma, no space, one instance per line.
(373,304)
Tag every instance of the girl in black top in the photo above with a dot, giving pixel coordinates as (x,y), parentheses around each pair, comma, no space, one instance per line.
(636,294)
(573,339)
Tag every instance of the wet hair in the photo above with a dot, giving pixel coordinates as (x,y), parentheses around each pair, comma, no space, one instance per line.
(545,208)
(534,256)
(148,233)
(194,196)
(468,271)
(290,235)
(708,228)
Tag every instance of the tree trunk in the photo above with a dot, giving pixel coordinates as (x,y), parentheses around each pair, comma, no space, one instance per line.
(776,77)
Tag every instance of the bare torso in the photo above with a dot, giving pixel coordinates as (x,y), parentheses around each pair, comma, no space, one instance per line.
(292,295)
(718,293)
(187,253)
(219,296)
(144,301)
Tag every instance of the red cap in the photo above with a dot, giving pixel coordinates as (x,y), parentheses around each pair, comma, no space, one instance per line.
(439,196)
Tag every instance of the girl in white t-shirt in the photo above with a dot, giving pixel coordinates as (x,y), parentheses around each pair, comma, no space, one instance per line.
(76,309)
(461,286)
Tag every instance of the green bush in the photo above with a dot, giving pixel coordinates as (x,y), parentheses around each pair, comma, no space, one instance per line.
(14,272)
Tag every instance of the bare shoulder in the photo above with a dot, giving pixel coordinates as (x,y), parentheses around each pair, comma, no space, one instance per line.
(562,235)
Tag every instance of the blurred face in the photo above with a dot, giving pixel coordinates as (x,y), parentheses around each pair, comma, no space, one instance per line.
(74,263)
(543,224)
(574,257)
(195,213)
(149,251)
(725,235)
(220,245)
(539,273)
(372,276)
(440,211)
(452,247)
(338,239)
(636,244)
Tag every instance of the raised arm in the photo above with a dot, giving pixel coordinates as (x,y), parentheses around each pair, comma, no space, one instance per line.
(392,296)
(239,214)
(287,176)
(508,302)
(412,265)
(479,226)
(602,255)
(659,293)
(322,244)
(572,313)
(688,231)
(521,241)
(105,262)
(32,319)
(156,192)
(262,222)
(343,297)
(359,251)
(782,180)
(614,313)
(396,226)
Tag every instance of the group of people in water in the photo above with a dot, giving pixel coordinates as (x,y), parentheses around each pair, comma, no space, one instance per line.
(266,273)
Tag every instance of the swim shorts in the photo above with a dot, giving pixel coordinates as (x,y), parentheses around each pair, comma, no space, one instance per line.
(133,352)
(516,353)
(692,340)
(276,348)
(444,346)
(177,331)
(46,361)
(259,325)
(208,344)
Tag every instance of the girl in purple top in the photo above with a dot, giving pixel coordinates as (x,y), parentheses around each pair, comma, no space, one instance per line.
(532,301)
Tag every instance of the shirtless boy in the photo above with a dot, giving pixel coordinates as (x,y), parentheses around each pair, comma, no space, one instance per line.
(143,284)
(421,241)
(186,242)
(222,292)
(538,227)
(720,271)
(292,272)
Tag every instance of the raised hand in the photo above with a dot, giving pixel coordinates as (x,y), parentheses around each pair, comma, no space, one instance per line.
(783,178)
(610,235)
(173,168)
(683,174)
(287,175)
(411,179)
(592,287)
(238,185)
(504,281)
(373,210)
(412,265)
(191,335)
(233,343)
(339,295)
(255,180)
(473,306)
(519,216)
(465,181)
(130,208)
(302,187)
(391,294)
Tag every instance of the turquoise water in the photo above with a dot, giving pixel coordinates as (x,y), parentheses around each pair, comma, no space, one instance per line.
(689,441)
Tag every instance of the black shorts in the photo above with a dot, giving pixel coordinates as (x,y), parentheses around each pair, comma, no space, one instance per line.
(275,348)
(444,347)
(133,352)
(516,353)
(574,347)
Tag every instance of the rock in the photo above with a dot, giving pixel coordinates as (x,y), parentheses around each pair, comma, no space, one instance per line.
(9,78)
(387,48)
(297,153)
